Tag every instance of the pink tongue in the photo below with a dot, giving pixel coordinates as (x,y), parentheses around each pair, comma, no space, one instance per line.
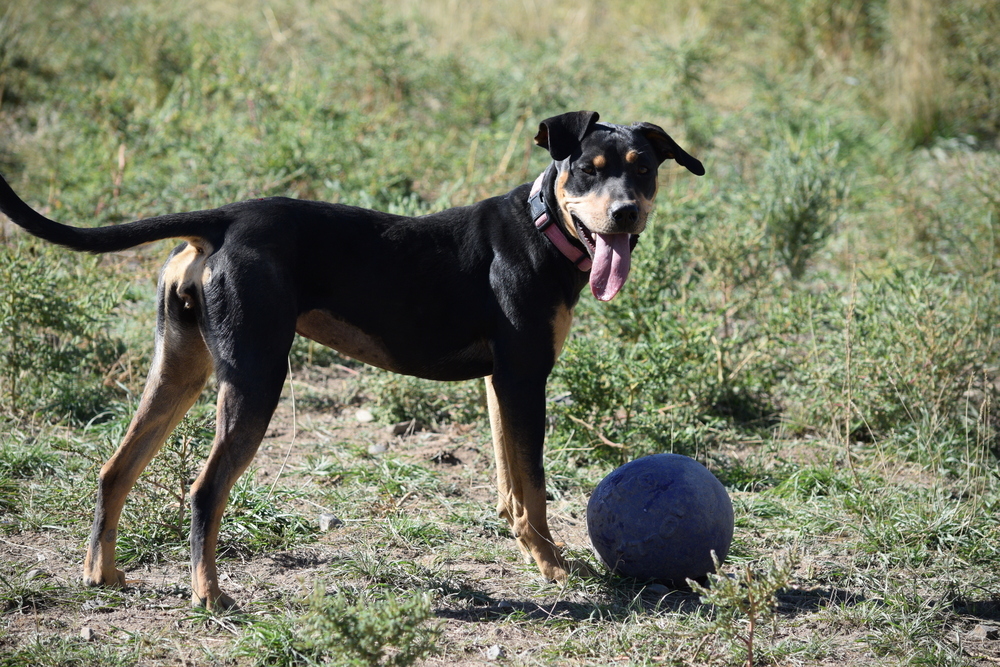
(612,260)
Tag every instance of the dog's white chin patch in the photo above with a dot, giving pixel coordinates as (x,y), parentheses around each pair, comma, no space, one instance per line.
(611,263)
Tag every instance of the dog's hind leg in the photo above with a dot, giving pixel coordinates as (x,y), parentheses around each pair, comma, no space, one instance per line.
(181,366)
(243,413)
(251,366)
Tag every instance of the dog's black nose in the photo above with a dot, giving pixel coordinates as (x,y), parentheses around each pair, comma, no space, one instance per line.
(625,214)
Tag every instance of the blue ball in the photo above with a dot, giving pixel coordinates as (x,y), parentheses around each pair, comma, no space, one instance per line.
(659,518)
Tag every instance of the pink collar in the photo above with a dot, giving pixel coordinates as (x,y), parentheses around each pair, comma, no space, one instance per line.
(540,214)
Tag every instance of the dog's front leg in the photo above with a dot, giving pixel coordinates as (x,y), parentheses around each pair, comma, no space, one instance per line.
(517,419)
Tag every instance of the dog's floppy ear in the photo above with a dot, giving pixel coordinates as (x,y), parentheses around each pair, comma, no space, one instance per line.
(667,149)
(562,134)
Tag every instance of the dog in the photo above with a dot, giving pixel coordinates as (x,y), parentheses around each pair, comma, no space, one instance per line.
(486,290)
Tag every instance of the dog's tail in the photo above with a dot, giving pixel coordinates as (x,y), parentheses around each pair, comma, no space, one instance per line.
(193,225)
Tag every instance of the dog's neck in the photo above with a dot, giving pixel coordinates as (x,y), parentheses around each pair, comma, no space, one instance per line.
(546,224)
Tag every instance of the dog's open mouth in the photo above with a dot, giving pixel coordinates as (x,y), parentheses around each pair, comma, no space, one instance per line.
(612,258)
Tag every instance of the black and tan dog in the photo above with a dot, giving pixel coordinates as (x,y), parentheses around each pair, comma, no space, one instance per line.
(486,290)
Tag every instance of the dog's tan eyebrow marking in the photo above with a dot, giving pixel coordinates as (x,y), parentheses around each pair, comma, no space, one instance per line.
(600,162)
(631,156)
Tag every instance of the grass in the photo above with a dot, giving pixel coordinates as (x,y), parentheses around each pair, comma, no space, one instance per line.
(814,320)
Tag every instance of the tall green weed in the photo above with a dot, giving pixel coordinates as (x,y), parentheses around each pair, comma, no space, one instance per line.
(895,351)
(54,324)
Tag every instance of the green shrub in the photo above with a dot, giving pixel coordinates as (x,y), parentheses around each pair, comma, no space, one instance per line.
(400,398)
(10,495)
(344,629)
(803,186)
(53,332)
(388,631)
(972,62)
(744,601)
(956,224)
(26,460)
(913,346)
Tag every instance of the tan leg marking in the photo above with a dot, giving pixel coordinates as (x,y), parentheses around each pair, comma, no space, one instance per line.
(181,366)
(236,443)
(522,503)
(561,324)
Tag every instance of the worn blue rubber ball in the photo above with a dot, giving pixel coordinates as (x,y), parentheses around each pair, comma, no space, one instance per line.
(659,518)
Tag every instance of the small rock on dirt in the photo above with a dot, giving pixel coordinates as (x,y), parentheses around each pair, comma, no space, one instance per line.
(328,522)
(378,448)
(88,634)
(984,632)
(364,416)
(494,652)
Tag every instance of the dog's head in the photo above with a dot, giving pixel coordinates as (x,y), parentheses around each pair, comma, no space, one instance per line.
(605,185)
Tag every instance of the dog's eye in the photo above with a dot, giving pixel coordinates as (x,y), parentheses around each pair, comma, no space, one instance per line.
(643,170)
(588,169)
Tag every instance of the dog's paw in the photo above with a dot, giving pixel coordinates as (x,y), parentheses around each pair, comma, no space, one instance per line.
(217,603)
(116,580)
(570,570)
(554,571)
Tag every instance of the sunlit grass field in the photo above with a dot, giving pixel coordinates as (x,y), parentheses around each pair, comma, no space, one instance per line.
(814,320)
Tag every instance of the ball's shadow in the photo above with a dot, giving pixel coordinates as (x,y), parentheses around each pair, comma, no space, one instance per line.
(617,598)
